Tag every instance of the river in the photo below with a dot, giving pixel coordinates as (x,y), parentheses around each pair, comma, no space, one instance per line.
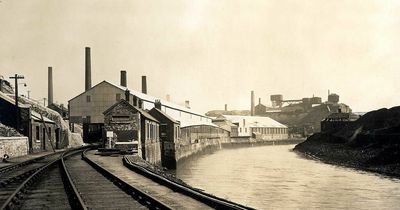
(275,177)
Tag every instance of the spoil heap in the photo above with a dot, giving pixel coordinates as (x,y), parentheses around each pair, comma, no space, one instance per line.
(370,143)
(6,131)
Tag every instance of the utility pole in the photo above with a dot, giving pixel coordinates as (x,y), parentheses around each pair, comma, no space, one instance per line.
(16,77)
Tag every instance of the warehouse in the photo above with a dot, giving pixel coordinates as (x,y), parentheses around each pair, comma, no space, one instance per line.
(263,128)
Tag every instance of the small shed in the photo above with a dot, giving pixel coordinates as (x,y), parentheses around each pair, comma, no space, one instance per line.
(130,128)
(169,135)
(122,126)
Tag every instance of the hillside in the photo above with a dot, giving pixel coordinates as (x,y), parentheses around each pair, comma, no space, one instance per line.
(370,143)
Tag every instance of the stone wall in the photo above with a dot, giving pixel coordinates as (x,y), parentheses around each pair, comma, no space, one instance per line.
(185,151)
(13,146)
(153,152)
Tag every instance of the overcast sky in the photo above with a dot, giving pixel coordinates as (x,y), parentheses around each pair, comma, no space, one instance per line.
(209,52)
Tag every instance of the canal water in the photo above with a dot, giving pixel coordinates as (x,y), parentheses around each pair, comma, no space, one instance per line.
(275,177)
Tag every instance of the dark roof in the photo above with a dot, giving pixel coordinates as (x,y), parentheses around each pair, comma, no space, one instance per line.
(142,112)
(165,115)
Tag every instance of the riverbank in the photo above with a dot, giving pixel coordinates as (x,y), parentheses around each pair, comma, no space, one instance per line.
(377,158)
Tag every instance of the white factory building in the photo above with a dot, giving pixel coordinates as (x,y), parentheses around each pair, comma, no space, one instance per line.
(257,127)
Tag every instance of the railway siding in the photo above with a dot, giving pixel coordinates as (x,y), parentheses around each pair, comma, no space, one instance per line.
(162,193)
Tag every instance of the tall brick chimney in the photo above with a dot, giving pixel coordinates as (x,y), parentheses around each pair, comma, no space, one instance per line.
(50,85)
(123,78)
(226,107)
(127,95)
(157,104)
(187,104)
(252,104)
(88,69)
(144,85)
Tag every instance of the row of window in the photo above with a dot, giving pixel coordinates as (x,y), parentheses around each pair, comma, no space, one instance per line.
(43,133)
(245,130)
(270,130)
(117,97)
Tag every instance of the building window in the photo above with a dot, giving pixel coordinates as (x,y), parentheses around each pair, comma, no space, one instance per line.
(37,133)
(88,99)
(118,96)
(240,130)
(245,130)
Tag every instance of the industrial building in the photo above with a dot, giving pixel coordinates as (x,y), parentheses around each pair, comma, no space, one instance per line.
(169,135)
(336,121)
(43,134)
(302,116)
(133,129)
(262,128)
(195,131)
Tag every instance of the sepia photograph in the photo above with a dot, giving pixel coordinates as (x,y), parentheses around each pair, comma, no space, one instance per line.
(199,104)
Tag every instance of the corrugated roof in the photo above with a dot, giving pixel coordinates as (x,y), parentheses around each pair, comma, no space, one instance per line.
(165,115)
(255,121)
(36,116)
(152,99)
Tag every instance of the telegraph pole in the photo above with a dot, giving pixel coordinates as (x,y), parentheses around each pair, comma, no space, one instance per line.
(16,77)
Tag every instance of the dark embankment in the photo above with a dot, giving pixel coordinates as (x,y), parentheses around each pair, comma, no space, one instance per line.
(371,143)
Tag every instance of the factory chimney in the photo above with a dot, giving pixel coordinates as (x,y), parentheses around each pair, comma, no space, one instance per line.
(187,104)
(252,104)
(157,104)
(127,95)
(226,107)
(259,100)
(88,69)
(50,85)
(144,85)
(123,78)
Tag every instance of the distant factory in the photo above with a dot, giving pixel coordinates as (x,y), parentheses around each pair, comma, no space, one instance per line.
(303,116)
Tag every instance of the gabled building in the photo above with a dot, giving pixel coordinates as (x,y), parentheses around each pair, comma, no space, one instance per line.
(87,108)
(169,135)
(263,128)
(127,127)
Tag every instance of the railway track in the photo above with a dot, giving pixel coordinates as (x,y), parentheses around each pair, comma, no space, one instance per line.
(71,181)
(210,200)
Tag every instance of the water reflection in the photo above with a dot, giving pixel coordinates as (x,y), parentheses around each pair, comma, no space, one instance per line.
(275,177)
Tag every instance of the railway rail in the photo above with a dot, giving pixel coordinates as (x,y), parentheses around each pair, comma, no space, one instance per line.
(210,200)
(71,181)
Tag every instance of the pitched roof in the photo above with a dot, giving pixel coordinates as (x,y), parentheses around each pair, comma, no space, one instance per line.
(36,116)
(165,115)
(255,121)
(142,112)
(152,99)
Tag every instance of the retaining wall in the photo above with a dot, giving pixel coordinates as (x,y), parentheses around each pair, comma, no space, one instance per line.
(14,146)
